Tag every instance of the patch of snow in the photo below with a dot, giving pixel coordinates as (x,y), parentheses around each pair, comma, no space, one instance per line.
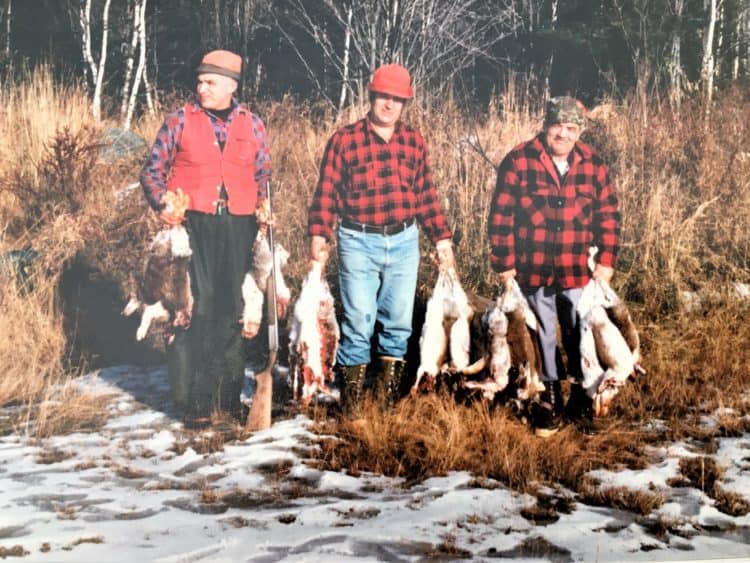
(138,490)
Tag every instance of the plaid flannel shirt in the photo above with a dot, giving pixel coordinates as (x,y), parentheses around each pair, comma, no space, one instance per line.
(365,179)
(544,229)
(159,163)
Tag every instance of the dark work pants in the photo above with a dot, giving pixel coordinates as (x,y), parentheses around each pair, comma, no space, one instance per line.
(206,363)
(553,305)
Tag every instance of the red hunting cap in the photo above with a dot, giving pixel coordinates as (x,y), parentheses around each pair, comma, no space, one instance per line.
(224,63)
(392,79)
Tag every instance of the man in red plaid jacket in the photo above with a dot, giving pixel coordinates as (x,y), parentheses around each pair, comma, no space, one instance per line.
(553,200)
(375,178)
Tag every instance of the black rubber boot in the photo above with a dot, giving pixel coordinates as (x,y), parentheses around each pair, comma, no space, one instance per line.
(390,373)
(546,416)
(352,387)
(579,410)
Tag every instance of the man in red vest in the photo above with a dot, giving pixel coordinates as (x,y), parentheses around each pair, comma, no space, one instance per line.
(216,151)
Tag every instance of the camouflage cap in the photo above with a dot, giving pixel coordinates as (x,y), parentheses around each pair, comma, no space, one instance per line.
(564,109)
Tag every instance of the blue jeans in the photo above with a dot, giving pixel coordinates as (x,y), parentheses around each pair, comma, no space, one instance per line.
(553,305)
(377,282)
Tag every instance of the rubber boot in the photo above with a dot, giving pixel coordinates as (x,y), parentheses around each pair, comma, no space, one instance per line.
(352,386)
(390,373)
(547,414)
(579,410)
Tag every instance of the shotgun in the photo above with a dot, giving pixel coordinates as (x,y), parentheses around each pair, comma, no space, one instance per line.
(259,416)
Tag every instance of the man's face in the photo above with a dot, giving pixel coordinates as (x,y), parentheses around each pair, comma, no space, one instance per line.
(386,109)
(561,137)
(215,91)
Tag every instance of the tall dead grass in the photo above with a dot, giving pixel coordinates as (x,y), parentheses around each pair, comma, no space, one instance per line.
(684,194)
(683,191)
(56,198)
(432,435)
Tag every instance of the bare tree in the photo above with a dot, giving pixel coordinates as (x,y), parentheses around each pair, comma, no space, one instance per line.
(435,39)
(139,34)
(93,67)
(708,64)
(96,104)
(233,24)
(734,38)
(345,86)
(84,22)
(675,73)
(7,16)
(135,14)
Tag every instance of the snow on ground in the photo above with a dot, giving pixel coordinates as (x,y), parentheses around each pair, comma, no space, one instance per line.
(136,491)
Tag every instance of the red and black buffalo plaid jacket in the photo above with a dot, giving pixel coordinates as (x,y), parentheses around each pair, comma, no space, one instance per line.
(544,229)
(365,179)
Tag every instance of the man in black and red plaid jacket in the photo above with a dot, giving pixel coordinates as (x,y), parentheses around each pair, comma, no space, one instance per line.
(553,200)
(375,178)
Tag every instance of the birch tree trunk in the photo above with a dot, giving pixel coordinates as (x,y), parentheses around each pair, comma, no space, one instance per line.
(8,17)
(708,64)
(719,33)
(243,18)
(96,106)
(84,21)
(736,50)
(674,63)
(347,55)
(140,9)
(130,61)
(146,84)
(553,25)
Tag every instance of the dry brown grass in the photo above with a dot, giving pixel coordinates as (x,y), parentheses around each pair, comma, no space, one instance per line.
(678,186)
(696,363)
(638,501)
(65,411)
(31,345)
(704,474)
(56,197)
(15,551)
(730,503)
(685,199)
(432,435)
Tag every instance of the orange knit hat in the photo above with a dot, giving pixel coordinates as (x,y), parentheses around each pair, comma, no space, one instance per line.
(392,79)
(225,63)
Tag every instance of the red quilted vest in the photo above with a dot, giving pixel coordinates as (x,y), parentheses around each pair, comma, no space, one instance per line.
(201,167)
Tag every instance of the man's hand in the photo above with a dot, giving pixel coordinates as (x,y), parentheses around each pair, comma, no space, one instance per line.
(603,273)
(445,258)
(175,204)
(505,278)
(319,250)
(263,217)
(170,218)
(263,213)
(282,305)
